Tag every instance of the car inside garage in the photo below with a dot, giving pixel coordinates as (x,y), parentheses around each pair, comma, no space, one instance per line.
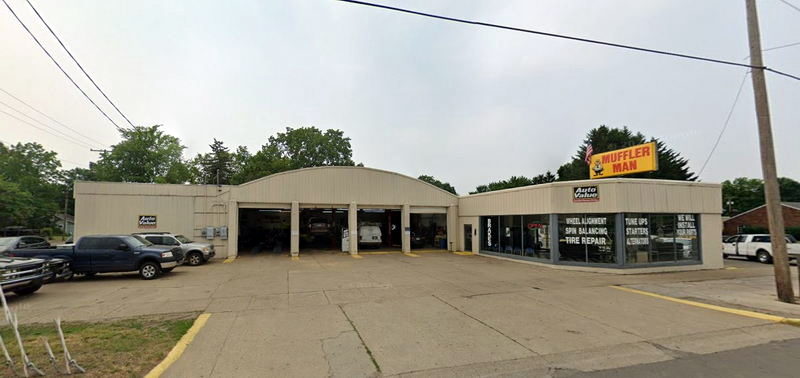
(321,229)
(429,231)
(264,231)
(379,228)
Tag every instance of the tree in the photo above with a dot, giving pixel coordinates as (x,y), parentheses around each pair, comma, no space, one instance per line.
(216,165)
(296,148)
(34,171)
(515,182)
(442,185)
(16,205)
(671,166)
(310,147)
(145,154)
(748,193)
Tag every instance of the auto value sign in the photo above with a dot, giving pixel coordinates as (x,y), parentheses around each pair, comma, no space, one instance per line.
(634,159)
(585,194)
(147,221)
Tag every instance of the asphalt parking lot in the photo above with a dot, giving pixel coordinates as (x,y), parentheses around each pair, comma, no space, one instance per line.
(433,315)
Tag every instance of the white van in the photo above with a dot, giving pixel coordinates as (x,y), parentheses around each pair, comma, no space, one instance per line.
(369,236)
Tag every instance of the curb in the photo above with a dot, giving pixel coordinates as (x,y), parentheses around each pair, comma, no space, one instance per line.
(179,348)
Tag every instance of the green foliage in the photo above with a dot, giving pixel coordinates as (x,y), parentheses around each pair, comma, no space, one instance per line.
(748,193)
(296,148)
(145,154)
(440,184)
(671,166)
(16,205)
(34,175)
(215,167)
(515,182)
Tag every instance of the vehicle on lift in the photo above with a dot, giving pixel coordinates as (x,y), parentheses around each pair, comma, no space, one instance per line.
(112,253)
(369,235)
(196,253)
(319,226)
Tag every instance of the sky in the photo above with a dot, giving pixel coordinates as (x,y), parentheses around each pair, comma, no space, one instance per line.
(466,104)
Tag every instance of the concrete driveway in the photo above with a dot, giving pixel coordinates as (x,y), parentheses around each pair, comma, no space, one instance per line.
(438,314)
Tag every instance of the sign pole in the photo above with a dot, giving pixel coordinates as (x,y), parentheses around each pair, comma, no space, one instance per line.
(783,278)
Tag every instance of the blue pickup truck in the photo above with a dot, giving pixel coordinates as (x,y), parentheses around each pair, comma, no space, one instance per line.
(112,253)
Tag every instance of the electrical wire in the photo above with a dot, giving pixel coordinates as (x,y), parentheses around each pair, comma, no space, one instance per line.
(63,134)
(45,130)
(571,38)
(51,118)
(59,66)
(795,7)
(76,62)
(725,125)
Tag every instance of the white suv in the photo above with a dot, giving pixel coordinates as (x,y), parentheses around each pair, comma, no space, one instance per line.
(196,253)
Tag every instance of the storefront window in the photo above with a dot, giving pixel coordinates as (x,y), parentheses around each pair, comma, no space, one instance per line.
(490,228)
(658,238)
(536,236)
(511,235)
(587,238)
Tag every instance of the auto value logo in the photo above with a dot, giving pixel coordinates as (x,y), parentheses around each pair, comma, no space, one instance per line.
(147,221)
(585,194)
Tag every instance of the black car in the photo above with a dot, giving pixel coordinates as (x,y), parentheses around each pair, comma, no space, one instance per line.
(22,275)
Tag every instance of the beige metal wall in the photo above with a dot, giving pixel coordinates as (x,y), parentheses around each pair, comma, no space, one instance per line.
(344,185)
(114,208)
(616,195)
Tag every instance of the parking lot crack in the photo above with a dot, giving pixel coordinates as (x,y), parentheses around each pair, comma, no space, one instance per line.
(486,325)
(353,325)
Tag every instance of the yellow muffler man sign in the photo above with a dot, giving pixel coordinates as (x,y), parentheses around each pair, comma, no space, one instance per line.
(634,159)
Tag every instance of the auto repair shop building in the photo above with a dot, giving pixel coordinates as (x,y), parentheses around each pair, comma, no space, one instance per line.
(614,225)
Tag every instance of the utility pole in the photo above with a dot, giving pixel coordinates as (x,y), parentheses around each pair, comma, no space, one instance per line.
(66,201)
(783,278)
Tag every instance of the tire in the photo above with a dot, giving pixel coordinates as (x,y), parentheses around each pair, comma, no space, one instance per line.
(149,270)
(194,259)
(725,256)
(763,256)
(29,290)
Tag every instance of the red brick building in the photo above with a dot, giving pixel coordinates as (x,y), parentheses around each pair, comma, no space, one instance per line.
(758,218)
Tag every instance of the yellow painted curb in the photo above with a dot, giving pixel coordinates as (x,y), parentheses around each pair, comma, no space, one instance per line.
(749,314)
(295,258)
(229,260)
(357,256)
(179,348)
(409,254)
(464,253)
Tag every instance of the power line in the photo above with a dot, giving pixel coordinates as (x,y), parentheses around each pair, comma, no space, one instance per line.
(725,125)
(791,5)
(63,134)
(51,118)
(562,36)
(45,130)
(76,62)
(58,65)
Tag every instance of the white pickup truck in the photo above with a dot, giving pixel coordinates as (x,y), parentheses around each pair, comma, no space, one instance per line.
(756,247)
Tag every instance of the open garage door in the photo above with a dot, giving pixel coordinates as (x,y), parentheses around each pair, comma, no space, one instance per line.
(264,231)
(379,229)
(321,229)
(428,231)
